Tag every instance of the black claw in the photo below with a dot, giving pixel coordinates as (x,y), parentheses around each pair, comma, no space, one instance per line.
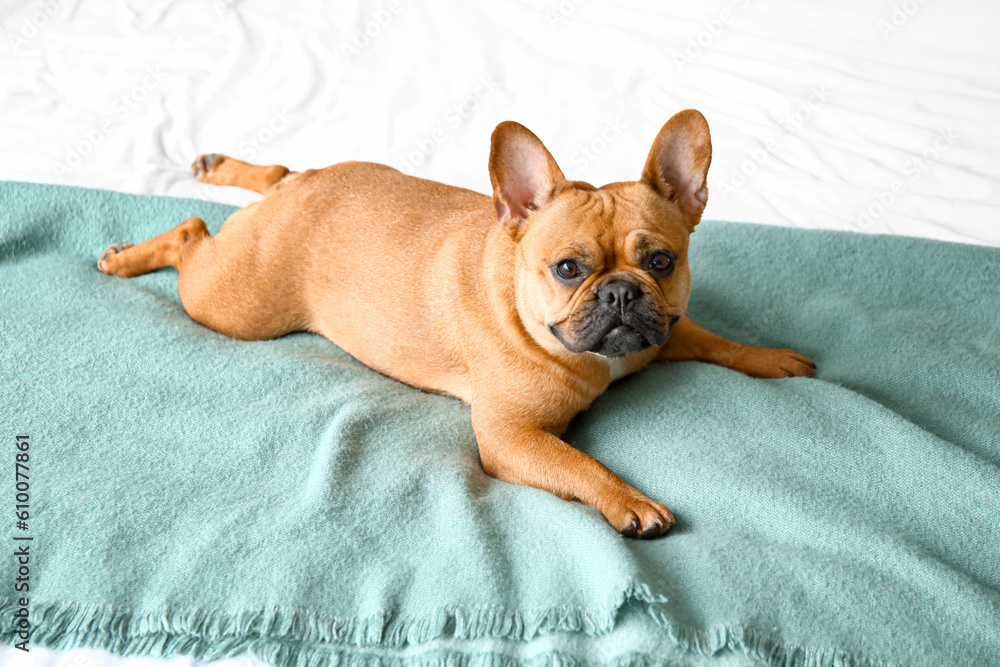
(209,159)
(653,531)
(631,529)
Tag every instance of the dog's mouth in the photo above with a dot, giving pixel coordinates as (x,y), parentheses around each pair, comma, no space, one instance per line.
(615,339)
(619,341)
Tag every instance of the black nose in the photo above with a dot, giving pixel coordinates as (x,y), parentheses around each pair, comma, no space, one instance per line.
(618,292)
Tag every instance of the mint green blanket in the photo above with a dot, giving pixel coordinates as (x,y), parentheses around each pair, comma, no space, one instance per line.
(190,493)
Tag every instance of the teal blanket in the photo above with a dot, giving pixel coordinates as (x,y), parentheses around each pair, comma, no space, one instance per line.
(185,492)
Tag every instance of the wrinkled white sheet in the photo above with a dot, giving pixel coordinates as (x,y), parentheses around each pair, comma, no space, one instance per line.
(857,115)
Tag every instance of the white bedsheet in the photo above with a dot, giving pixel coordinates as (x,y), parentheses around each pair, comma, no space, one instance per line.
(858,115)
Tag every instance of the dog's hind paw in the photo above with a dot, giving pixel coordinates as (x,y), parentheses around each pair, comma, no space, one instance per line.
(205,163)
(106,262)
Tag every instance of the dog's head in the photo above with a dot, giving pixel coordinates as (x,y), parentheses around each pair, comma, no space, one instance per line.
(602,270)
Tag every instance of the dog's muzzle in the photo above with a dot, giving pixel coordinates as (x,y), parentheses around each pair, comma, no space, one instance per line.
(620,322)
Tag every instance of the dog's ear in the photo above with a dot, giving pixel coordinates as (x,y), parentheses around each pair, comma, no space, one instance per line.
(678,162)
(523,174)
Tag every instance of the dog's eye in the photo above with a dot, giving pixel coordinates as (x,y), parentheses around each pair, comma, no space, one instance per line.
(568,269)
(662,261)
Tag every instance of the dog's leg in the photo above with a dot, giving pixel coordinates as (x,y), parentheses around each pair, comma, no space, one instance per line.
(217,169)
(523,454)
(689,342)
(168,249)
(222,281)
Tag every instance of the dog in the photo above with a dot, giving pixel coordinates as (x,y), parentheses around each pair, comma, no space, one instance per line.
(526,305)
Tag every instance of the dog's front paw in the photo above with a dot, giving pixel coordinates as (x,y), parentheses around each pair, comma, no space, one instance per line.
(107,263)
(637,516)
(769,362)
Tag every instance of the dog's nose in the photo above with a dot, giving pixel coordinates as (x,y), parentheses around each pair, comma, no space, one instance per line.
(618,292)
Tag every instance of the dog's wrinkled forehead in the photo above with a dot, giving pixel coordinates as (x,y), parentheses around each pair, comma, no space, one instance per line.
(619,219)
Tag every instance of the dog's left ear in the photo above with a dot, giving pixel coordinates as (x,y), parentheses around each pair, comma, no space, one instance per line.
(678,162)
(523,172)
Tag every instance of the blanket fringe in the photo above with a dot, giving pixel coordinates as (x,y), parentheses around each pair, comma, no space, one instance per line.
(300,638)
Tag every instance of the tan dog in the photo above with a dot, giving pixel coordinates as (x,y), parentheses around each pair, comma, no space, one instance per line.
(527,306)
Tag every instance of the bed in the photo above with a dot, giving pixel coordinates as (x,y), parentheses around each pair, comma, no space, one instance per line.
(874,118)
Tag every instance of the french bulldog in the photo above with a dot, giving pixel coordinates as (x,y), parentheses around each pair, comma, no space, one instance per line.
(527,305)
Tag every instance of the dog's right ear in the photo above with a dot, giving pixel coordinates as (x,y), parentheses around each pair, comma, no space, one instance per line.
(523,174)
